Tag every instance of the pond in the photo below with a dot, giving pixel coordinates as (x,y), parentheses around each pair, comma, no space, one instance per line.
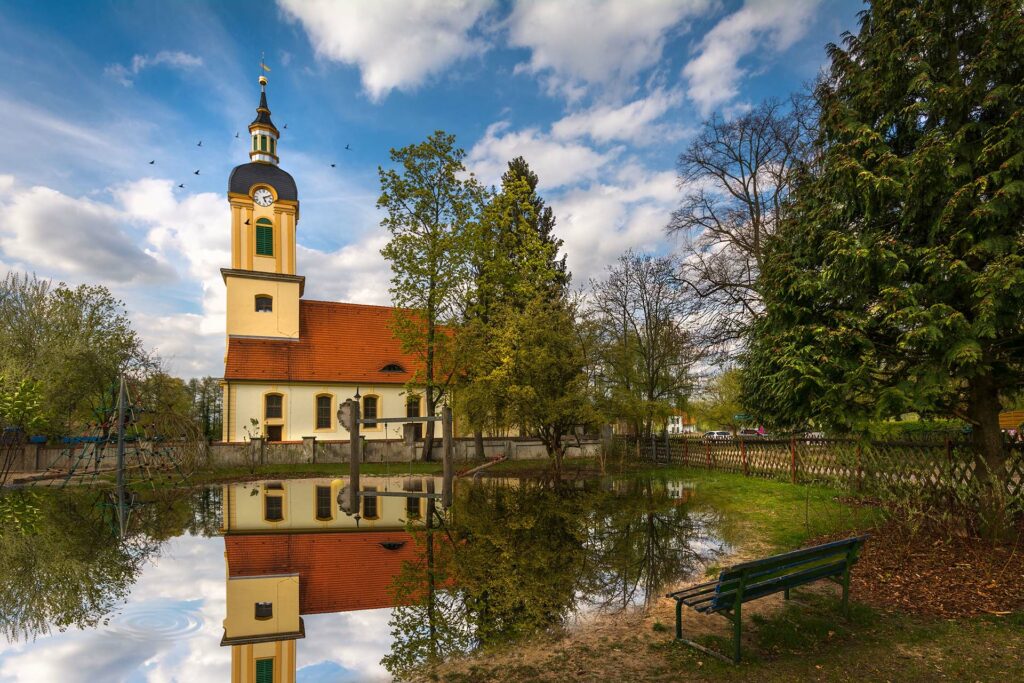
(269,580)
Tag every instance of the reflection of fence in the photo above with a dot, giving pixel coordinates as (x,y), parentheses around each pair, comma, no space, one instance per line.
(849,463)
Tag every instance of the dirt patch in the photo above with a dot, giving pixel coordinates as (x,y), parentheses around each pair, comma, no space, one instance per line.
(934,576)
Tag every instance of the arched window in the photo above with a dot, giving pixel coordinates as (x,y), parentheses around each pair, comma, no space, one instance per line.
(264,303)
(264,237)
(412,409)
(392,367)
(323,411)
(370,406)
(273,407)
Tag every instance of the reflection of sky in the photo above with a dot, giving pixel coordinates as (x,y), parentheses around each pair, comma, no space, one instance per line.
(170,630)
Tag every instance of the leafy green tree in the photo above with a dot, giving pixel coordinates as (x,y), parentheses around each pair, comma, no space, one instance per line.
(430,205)
(539,374)
(76,342)
(721,402)
(206,405)
(895,283)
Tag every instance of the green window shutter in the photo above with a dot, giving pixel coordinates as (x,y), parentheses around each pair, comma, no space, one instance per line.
(264,240)
(254,143)
(264,671)
(273,146)
(263,143)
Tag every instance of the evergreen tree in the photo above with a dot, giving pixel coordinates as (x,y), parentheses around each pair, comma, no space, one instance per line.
(514,261)
(542,220)
(896,283)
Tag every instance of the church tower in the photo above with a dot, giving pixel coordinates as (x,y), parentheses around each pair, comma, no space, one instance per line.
(263,289)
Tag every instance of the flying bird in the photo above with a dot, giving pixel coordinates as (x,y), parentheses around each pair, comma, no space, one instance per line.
(199,144)
(247,221)
(196,171)
(332,165)
(236,135)
(181,185)
(152,162)
(348,148)
(286,126)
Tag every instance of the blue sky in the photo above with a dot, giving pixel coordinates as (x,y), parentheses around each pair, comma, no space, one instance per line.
(599,96)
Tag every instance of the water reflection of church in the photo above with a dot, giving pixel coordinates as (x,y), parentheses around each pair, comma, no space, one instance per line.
(289,551)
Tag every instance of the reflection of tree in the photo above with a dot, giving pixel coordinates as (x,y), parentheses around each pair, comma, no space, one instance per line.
(521,554)
(70,569)
(515,561)
(640,541)
(429,623)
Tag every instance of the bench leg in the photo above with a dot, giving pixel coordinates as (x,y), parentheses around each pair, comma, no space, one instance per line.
(679,619)
(736,633)
(846,593)
(787,594)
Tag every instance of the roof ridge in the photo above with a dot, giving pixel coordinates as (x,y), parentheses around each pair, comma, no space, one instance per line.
(351,303)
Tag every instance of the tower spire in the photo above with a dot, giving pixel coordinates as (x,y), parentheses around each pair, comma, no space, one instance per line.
(263,131)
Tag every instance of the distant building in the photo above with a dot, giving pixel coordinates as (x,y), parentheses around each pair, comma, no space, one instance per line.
(680,423)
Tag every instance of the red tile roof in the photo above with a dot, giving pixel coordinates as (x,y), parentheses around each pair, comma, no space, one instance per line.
(337,342)
(338,572)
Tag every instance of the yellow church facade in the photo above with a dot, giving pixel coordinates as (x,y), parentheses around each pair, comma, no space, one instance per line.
(290,361)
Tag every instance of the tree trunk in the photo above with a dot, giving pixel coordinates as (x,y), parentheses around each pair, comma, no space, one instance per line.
(428,438)
(478,443)
(989,456)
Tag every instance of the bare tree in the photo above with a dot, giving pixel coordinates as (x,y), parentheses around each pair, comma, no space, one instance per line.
(735,177)
(644,352)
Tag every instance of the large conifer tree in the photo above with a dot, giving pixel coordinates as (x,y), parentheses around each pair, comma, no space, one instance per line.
(897,283)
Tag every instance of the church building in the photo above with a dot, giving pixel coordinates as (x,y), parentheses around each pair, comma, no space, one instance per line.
(290,361)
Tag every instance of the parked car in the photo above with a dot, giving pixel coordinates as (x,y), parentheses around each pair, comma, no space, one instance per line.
(751,434)
(718,436)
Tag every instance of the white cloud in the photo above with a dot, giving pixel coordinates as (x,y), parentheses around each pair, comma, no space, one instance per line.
(555,162)
(355,273)
(633,122)
(599,222)
(594,42)
(395,43)
(758,27)
(76,237)
(125,74)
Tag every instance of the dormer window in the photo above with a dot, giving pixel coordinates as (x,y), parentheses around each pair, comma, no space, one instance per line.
(392,367)
(264,304)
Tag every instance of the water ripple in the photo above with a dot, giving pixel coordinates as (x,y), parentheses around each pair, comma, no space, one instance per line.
(155,622)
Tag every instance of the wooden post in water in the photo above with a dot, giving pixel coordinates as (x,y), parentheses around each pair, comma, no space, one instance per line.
(686,450)
(355,455)
(121,399)
(449,466)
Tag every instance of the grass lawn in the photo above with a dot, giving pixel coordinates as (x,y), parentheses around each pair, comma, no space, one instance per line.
(806,639)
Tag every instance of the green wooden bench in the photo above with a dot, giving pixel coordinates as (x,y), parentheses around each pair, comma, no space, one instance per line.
(777,574)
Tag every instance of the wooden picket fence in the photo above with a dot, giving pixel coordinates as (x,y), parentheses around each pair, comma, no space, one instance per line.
(869,466)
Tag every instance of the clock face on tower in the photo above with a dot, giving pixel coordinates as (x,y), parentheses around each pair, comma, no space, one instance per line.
(263,197)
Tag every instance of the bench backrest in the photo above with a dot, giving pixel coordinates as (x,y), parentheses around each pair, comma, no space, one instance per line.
(755,579)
